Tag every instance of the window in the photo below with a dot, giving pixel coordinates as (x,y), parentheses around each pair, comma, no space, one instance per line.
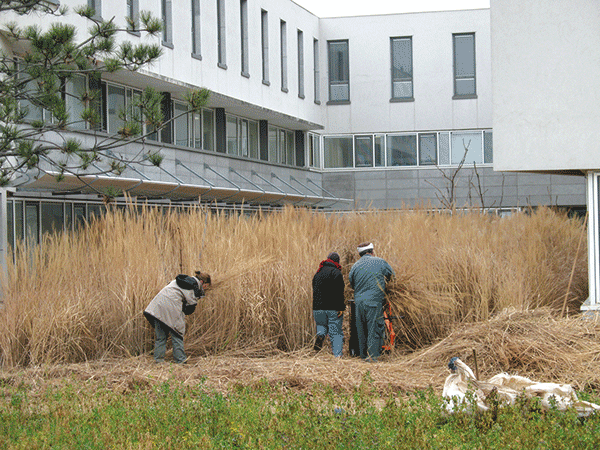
(264,24)
(196,50)
(221,33)
(467,145)
(281,146)
(283,40)
(181,124)
(244,36)
(464,65)
(339,72)
(300,64)
(122,105)
(402,150)
(202,124)
(232,135)
(379,150)
(242,137)
(314,150)
(337,152)
(363,151)
(402,72)
(75,91)
(316,73)
(96,5)
(488,149)
(133,10)
(167,19)
(427,149)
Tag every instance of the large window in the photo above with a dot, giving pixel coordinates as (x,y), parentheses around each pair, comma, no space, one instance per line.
(221,34)
(402,150)
(363,151)
(467,145)
(244,36)
(122,105)
(264,33)
(337,152)
(283,42)
(339,71)
(464,65)
(196,40)
(167,20)
(402,71)
(242,137)
(300,64)
(75,92)
(316,71)
(281,146)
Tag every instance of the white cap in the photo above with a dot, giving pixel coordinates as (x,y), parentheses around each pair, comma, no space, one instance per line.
(365,248)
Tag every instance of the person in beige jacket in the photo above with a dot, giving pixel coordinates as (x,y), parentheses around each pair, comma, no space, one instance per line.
(166,313)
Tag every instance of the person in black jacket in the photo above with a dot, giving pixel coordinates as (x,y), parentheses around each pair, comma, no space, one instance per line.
(328,303)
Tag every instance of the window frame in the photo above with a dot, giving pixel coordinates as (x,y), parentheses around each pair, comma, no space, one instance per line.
(196,30)
(283,55)
(456,67)
(264,39)
(221,35)
(244,47)
(406,79)
(167,20)
(345,68)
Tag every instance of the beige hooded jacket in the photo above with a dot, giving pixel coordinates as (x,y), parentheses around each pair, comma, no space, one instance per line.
(167,306)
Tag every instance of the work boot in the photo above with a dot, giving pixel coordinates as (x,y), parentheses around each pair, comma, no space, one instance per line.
(319,343)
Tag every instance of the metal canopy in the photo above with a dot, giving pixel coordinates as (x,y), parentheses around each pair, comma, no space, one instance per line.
(97,184)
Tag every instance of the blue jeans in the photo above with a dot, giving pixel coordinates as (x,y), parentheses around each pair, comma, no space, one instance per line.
(328,323)
(160,344)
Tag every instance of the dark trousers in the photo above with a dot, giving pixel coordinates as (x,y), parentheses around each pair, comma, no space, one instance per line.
(353,348)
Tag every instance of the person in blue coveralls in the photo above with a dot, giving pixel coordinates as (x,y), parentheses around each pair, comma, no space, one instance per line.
(369,277)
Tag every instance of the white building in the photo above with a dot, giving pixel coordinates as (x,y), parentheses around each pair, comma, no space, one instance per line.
(546,98)
(354,112)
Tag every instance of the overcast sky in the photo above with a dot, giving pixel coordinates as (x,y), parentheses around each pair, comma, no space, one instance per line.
(338,8)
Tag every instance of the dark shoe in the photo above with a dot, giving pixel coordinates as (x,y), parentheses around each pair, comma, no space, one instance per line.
(319,343)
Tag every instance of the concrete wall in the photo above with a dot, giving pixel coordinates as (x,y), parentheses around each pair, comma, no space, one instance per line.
(370,109)
(546,89)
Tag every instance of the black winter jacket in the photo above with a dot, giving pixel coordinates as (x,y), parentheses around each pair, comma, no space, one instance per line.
(328,288)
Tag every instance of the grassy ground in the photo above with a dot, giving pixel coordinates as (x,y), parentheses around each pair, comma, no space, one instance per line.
(70,414)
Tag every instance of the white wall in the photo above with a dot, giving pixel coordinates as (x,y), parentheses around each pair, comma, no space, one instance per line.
(370,109)
(546,88)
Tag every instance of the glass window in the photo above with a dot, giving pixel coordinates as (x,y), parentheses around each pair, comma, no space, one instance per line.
(32,222)
(208,133)
(253,138)
(181,124)
(427,149)
(96,5)
(10,229)
(244,34)
(314,150)
(243,137)
(339,71)
(196,28)
(379,151)
(337,151)
(272,144)
(264,24)
(402,150)
(116,108)
(316,69)
(300,64)
(283,38)
(197,129)
(167,20)
(75,90)
(464,65)
(290,148)
(52,217)
(133,14)
(79,215)
(402,72)
(363,151)
(467,145)
(19,223)
(232,133)
(488,147)
(221,33)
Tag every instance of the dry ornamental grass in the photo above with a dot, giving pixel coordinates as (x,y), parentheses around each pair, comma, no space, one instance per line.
(465,281)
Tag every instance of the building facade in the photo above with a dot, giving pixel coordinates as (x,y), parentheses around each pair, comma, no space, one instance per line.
(546,96)
(337,113)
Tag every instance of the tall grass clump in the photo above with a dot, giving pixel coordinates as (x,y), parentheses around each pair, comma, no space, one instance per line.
(80,296)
